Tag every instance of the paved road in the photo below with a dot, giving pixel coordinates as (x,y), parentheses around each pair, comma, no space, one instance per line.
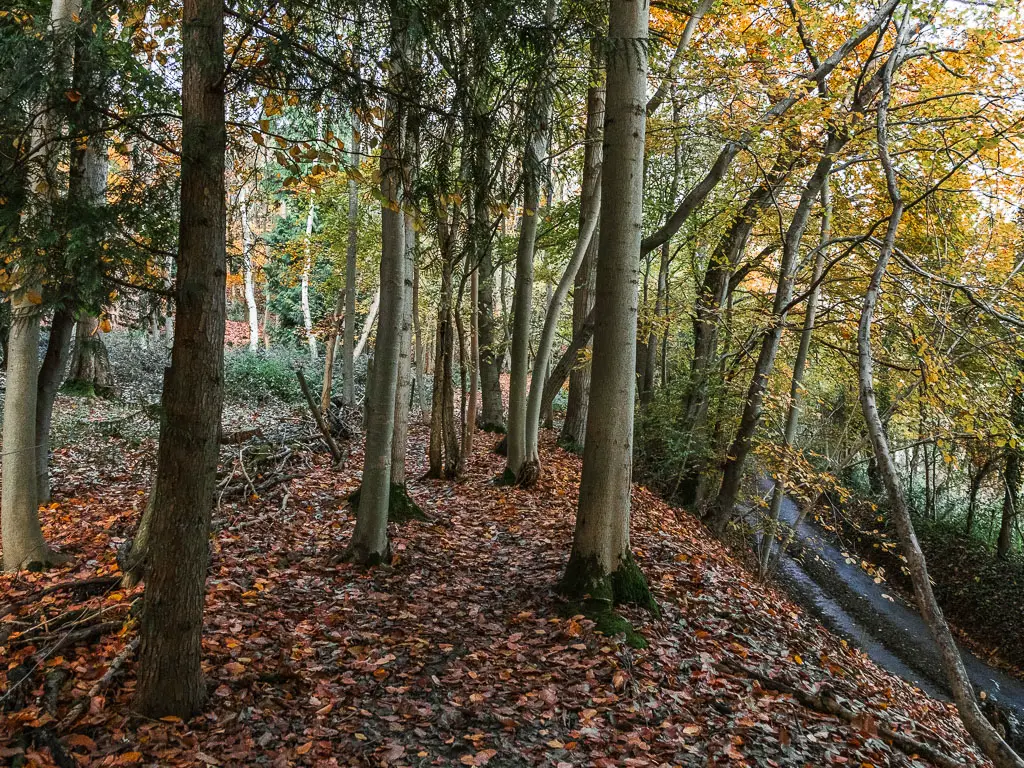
(884,626)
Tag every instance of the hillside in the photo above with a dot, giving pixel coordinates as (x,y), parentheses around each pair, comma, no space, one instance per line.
(457,654)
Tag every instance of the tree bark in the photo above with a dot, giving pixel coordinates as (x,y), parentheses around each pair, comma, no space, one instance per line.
(51,373)
(1012,475)
(538,127)
(307,267)
(403,391)
(170,674)
(248,272)
(24,545)
(369,545)
(963,692)
(601,565)
(741,445)
(90,372)
(349,385)
(371,318)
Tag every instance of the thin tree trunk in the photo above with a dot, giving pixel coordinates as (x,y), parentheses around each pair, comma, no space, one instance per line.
(796,385)
(248,272)
(51,373)
(307,267)
(469,427)
(371,318)
(349,386)
(539,121)
(963,692)
(566,365)
(601,565)
(590,205)
(1012,472)
(337,320)
(972,505)
(741,445)
(419,352)
(369,545)
(403,391)
(170,677)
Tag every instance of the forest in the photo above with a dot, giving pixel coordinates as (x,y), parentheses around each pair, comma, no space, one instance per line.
(512,383)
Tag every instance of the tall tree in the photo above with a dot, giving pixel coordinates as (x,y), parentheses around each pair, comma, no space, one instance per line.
(170,671)
(601,564)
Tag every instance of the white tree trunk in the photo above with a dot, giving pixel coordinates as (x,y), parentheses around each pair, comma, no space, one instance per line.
(348,360)
(404,387)
(307,267)
(249,274)
(601,565)
(371,318)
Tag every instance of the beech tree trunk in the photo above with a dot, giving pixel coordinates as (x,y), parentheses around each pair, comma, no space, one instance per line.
(419,352)
(248,272)
(369,545)
(20,528)
(170,678)
(90,372)
(963,692)
(371,318)
(601,565)
(307,267)
(538,122)
(403,391)
(741,445)
(51,374)
(1012,476)
(349,385)
(796,385)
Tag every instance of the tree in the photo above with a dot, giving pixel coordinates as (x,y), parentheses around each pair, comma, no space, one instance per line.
(601,565)
(170,673)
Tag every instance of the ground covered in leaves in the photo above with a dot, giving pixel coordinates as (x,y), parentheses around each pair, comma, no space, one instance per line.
(457,654)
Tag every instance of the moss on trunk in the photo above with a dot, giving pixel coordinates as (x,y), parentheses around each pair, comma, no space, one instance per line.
(401,506)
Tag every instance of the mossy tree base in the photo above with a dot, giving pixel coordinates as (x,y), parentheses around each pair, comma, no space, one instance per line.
(39,563)
(594,593)
(361,556)
(570,446)
(401,506)
(495,428)
(80,388)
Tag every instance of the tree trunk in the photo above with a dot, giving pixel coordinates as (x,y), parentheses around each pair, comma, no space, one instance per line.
(403,391)
(538,122)
(307,267)
(23,541)
(51,373)
(349,386)
(601,566)
(90,372)
(419,351)
(796,385)
(469,427)
(963,692)
(170,678)
(1012,474)
(751,417)
(369,545)
(248,272)
(972,505)
(590,203)
(337,320)
(566,364)
(371,318)
(444,443)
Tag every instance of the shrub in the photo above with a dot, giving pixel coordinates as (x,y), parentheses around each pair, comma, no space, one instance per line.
(266,375)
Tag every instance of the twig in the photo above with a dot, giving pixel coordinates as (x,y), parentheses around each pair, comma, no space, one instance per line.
(79,709)
(104,581)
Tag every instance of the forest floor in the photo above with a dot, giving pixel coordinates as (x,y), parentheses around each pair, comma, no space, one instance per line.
(457,654)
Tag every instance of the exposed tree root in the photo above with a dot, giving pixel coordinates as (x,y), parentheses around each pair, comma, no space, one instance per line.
(77,585)
(78,709)
(401,506)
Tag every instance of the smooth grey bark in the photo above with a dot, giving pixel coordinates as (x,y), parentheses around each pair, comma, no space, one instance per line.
(419,352)
(349,355)
(575,423)
(796,385)
(590,205)
(20,528)
(722,511)
(51,373)
(371,318)
(601,557)
(539,128)
(566,365)
(90,372)
(994,747)
(248,272)
(307,267)
(664,87)
(403,389)
(369,544)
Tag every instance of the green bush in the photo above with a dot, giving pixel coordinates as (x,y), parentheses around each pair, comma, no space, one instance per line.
(266,375)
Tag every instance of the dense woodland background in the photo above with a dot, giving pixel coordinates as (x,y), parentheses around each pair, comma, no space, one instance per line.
(336,334)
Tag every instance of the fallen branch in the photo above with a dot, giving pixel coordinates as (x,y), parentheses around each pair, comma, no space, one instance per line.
(99,686)
(318,417)
(98,581)
(829,705)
